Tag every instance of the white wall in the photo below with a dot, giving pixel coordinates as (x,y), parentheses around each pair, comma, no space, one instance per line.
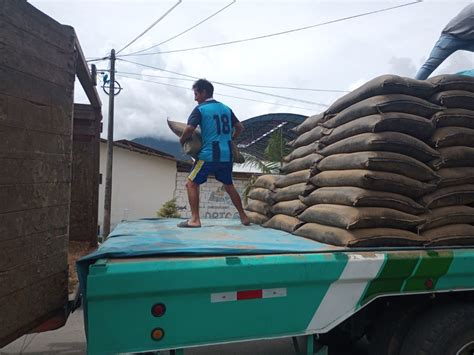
(141,183)
(214,202)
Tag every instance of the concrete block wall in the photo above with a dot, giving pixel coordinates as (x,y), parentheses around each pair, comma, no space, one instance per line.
(214,201)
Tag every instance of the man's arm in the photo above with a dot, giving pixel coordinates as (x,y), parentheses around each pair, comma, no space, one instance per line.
(236,125)
(193,121)
(187,133)
(238,128)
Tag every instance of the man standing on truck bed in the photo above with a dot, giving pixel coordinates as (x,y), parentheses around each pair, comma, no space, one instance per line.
(457,35)
(219,127)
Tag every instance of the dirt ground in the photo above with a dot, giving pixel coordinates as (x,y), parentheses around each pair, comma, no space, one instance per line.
(76,251)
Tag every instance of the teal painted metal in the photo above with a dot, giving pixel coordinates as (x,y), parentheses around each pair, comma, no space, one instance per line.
(122,292)
(218,294)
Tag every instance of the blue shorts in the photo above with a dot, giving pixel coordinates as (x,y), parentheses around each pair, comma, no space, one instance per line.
(201,169)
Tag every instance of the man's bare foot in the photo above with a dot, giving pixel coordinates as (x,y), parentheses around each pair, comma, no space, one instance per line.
(245,220)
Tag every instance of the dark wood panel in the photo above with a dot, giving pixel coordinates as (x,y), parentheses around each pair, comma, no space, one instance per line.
(28,87)
(35,302)
(22,171)
(85,174)
(27,18)
(25,275)
(31,249)
(27,43)
(23,197)
(17,59)
(16,140)
(17,224)
(19,113)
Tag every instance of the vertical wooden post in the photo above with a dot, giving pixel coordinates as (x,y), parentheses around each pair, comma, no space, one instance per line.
(110,149)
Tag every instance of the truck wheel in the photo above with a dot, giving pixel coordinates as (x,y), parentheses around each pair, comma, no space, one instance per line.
(390,330)
(448,329)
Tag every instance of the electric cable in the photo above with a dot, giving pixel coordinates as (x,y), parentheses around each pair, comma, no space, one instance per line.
(185,31)
(278,33)
(239,84)
(224,95)
(227,85)
(151,26)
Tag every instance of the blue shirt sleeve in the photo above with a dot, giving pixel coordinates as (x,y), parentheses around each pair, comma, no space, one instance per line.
(194,118)
(234,118)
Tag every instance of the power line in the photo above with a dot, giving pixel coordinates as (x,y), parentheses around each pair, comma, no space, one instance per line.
(239,84)
(151,26)
(189,29)
(231,86)
(224,95)
(278,33)
(97,59)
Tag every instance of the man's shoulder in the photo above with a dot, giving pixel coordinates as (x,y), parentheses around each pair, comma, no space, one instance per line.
(212,103)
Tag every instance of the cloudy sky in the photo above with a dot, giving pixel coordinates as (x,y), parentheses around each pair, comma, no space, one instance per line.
(337,56)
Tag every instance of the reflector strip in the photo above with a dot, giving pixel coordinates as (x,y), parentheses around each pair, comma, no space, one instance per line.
(247,295)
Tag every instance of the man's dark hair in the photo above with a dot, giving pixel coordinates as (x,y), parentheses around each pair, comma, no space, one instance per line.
(204,85)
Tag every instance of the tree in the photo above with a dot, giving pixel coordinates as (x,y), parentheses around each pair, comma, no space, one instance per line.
(169,210)
(276,148)
(274,152)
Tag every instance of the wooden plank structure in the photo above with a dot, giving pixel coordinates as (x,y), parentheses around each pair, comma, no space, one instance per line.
(85,174)
(38,63)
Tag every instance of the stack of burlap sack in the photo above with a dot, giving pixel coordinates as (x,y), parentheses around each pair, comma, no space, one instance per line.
(450,215)
(260,199)
(375,165)
(391,163)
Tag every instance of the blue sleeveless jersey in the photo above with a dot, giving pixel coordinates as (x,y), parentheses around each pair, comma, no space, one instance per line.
(216,121)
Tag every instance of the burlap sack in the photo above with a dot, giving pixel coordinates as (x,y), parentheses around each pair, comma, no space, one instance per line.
(309,137)
(456,156)
(415,126)
(380,161)
(285,223)
(301,163)
(288,208)
(452,136)
(450,235)
(442,216)
(193,145)
(384,141)
(309,123)
(261,194)
(289,193)
(256,217)
(297,177)
(373,180)
(259,207)
(358,197)
(267,181)
(455,99)
(456,176)
(383,85)
(383,103)
(449,196)
(454,118)
(303,151)
(371,237)
(447,82)
(348,217)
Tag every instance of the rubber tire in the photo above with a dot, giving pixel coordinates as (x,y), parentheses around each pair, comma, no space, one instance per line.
(391,329)
(443,330)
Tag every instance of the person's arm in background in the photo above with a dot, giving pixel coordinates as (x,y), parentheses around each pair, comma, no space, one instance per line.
(193,121)
(238,127)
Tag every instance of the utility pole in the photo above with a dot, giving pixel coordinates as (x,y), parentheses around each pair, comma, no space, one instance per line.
(110,149)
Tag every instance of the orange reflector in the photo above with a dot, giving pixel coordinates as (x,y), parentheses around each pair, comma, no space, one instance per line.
(158,309)
(157,334)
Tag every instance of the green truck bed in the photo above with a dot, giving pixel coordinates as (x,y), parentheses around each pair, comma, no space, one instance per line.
(141,300)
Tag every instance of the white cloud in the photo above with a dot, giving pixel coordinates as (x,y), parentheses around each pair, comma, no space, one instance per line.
(337,56)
